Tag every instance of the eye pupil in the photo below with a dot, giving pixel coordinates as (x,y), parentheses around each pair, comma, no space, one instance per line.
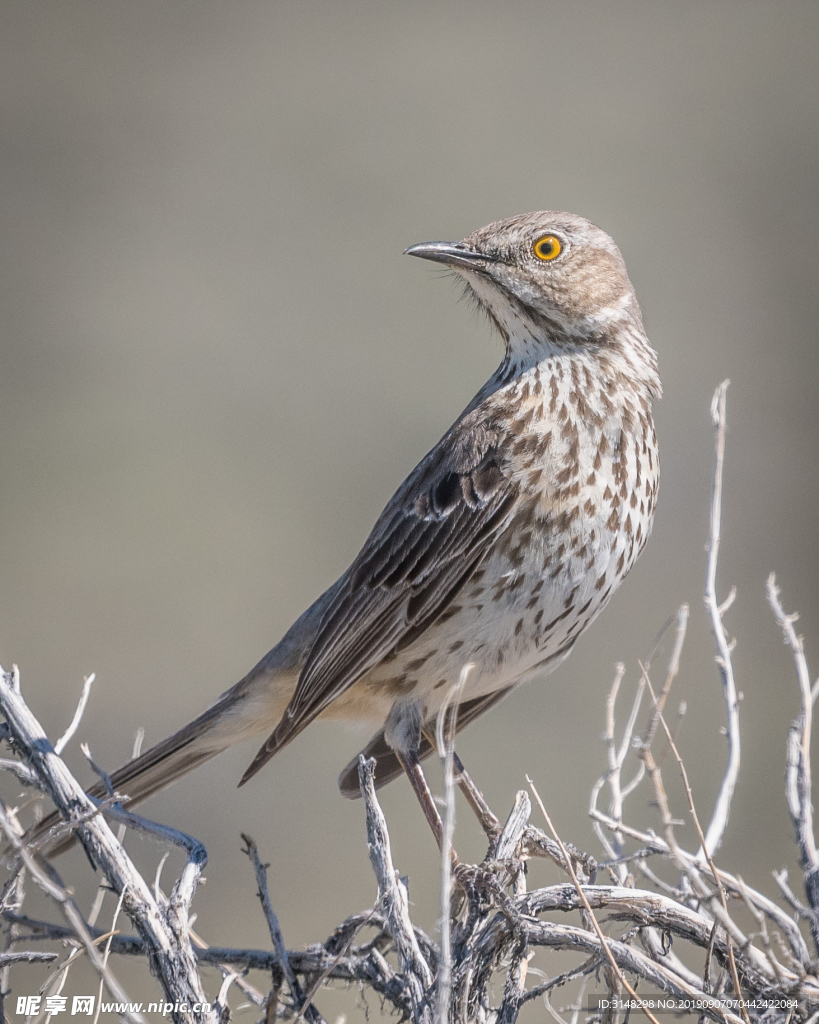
(547,248)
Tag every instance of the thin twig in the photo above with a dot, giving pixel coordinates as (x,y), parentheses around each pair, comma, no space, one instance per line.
(722,807)
(62,742)
(445,740)
(311,1013)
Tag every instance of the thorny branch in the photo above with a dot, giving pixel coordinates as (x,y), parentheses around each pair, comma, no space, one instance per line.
(495,935)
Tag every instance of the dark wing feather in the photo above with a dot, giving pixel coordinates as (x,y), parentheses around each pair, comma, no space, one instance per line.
(426,544)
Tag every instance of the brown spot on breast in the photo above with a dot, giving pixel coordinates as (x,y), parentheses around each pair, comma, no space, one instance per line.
(565,474)
(525,446)
(601,582)
(569,600)
(563,521)
(450,612)
(620,561)
(607,495)
(518,627)
(589,508)
(528,416)
(456,646)
(516,557)
(439,684)
(592,480)
(416,663)
(633,499)
(398,686)
(554,622)
(580,404)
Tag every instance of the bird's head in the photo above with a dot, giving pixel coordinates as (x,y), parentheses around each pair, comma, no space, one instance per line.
(552,276)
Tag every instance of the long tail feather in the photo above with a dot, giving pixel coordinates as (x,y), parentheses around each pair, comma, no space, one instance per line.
(213,731)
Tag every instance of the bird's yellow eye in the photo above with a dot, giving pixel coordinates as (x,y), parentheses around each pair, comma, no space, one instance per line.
(547,248)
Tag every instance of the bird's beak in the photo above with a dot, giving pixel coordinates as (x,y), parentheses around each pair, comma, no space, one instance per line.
(454,254)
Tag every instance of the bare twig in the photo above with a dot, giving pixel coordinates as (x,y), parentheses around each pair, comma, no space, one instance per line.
(62,742)
(722,807)
(445,742)
(310,1013)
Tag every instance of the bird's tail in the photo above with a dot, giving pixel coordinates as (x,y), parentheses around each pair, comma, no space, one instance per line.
(254,705)
(229,720)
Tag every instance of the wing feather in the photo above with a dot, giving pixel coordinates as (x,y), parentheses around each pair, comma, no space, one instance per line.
(426,544)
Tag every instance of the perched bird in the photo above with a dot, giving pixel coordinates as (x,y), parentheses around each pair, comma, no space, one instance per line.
(501,546)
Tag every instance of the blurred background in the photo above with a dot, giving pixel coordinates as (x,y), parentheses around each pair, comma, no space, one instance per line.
(216,367)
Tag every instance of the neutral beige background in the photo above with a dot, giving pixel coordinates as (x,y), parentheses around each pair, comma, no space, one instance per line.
(216,367)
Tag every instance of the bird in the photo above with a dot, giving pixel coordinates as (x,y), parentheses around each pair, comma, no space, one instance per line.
(498,550)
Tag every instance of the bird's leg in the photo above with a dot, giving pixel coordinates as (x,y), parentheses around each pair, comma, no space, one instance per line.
(474,797)
(412,766)
(402,731)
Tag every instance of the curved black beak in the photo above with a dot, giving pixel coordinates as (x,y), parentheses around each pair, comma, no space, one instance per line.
(454,254)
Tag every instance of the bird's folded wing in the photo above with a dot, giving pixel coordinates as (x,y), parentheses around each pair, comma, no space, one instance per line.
(427,542)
